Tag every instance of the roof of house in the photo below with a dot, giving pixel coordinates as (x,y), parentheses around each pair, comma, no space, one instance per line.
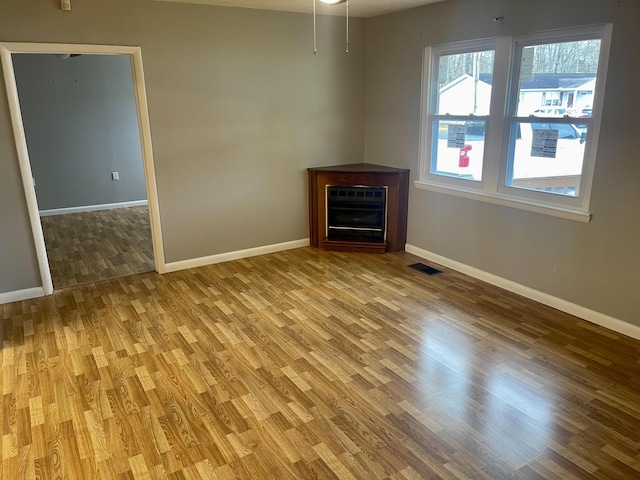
(557,80)
(550,81)
(459,80)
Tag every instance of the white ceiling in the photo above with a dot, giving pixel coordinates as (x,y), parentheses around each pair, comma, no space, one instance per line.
(357,8)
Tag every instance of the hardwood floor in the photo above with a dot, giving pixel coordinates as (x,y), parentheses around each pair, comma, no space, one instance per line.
(312,364)
(92,246)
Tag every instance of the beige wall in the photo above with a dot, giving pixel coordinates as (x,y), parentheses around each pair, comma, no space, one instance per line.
(595,265)
(239,108)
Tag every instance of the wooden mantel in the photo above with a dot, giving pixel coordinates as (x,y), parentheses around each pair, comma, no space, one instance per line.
(359,174)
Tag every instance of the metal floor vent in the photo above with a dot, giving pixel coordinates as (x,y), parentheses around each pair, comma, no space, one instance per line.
(421,267)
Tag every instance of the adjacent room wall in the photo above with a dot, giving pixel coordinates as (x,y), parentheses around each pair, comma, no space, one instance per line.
(239,108)
(594,265)
(81,124)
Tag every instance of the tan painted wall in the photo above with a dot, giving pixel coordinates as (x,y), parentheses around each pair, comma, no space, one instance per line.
(239,108)
(596,265)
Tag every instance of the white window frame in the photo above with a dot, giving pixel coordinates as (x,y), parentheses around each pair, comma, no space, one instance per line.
(430,104)
(504,95)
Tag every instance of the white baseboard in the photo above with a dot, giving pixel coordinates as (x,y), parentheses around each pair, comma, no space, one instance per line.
(92,208)
(19,295)
(592,316)
(225,257)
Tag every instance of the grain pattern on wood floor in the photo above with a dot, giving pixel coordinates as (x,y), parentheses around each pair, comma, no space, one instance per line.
(311,364)
(92,246)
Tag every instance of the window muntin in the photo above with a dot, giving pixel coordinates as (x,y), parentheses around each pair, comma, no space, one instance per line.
(508,166)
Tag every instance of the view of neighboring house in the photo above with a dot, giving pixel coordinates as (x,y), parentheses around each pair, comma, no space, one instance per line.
(572,91)
(564,93)
(456,95)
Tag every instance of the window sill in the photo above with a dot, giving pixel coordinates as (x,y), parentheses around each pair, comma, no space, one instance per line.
(497,199)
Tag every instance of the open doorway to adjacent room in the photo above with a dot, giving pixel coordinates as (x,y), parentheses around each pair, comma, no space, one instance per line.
(81,126)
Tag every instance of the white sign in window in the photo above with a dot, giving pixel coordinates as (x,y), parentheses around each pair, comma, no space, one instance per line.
(545,143)
(456,136)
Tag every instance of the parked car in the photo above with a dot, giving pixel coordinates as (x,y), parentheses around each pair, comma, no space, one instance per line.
(566,159)
(580,112)
(566,131)
(550,112)
(475,127)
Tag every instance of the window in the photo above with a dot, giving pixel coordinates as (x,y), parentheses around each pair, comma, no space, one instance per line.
(460,106)
(515,120)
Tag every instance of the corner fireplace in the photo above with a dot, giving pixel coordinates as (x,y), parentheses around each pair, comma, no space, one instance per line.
(358,207)
(356,213)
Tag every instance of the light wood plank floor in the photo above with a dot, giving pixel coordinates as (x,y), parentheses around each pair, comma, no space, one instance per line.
(309,364)
(92,246)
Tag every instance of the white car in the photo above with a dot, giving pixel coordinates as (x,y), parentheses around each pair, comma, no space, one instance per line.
(550,112)
(548,171)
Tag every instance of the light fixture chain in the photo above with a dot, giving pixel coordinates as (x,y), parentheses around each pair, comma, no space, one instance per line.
(315,39)
(315,25)
(347,15)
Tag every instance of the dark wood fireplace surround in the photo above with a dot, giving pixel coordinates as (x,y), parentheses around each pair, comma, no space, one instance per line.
(359,174)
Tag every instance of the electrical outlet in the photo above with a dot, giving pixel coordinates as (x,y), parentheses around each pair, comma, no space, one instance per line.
(115,176)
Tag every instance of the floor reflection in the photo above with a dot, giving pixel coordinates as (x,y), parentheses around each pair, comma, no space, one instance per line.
(467,392)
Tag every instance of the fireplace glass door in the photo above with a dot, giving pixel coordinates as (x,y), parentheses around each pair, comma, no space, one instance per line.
(356,213)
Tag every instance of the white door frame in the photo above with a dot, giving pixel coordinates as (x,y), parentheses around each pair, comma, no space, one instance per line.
(135,54)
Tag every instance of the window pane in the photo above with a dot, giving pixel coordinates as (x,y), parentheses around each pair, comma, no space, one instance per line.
(458,148)
(558,79)
(547,156)
(464,83)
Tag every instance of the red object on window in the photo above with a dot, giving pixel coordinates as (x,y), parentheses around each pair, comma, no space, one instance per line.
(464,158)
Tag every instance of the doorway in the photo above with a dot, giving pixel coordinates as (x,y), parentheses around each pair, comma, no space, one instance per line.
(106,209)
